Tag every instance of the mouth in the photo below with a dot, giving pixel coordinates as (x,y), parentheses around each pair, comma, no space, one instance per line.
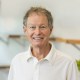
(37,38)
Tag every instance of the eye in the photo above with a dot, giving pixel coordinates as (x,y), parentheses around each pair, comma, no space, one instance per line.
(43,27)
(32,27)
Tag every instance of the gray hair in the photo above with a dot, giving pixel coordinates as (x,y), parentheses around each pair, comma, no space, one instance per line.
(39,10)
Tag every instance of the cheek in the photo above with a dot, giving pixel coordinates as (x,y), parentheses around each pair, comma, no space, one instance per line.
(47,33)
(28,34)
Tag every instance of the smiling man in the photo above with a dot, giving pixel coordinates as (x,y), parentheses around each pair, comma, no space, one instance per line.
(42,61)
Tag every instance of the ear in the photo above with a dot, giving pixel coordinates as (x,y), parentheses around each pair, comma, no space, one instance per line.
(51,29)
(24,29)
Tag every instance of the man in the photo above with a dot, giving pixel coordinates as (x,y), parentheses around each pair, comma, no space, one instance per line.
(41,61)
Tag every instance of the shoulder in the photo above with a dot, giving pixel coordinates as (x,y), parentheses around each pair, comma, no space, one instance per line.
(64,57)
(19,57)
(61,56)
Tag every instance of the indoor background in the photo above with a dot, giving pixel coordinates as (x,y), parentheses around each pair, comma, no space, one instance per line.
(66,31)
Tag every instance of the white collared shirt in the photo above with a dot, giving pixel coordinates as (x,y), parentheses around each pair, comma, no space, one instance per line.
(55,66)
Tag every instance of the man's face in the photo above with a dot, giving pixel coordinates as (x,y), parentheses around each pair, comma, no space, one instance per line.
(37,29)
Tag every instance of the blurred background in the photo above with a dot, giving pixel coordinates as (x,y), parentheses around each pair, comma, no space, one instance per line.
(66,14)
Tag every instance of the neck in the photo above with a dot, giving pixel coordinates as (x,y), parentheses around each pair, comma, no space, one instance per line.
(41,52)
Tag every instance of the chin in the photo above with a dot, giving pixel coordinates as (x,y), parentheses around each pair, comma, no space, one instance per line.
(37,45)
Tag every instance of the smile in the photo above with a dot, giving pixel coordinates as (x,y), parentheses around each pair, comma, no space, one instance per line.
(37,38)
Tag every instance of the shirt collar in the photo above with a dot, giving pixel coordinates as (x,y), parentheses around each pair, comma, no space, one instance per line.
(49,57)
(51,54)
(29,53)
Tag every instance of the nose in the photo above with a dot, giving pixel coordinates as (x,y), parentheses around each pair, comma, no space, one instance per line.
(37,31)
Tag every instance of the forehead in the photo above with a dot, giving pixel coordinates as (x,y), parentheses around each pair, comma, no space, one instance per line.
(37,17)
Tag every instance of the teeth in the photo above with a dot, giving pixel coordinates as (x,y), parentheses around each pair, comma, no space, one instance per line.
(37,38)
